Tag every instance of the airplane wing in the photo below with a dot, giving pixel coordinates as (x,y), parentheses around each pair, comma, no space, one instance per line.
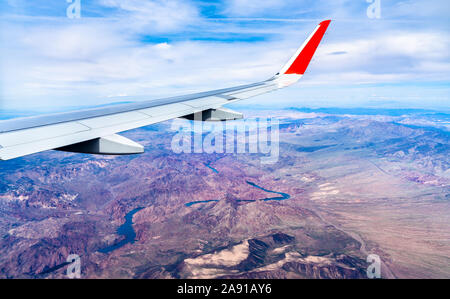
(94,130)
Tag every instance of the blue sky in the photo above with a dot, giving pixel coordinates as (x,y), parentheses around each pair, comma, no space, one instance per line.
(133,50)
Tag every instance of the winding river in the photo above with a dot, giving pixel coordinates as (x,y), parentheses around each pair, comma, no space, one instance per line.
(129,234)
(210,167)
(282,196)
(125,230)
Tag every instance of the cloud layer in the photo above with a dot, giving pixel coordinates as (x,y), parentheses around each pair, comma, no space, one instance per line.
(161,48)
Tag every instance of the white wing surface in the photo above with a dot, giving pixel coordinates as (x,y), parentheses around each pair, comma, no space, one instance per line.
(94,130)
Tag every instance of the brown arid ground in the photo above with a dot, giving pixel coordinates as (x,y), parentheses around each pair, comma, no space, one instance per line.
(356,185)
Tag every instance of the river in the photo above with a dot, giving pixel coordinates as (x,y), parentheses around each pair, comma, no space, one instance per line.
(125,230)
(282,196)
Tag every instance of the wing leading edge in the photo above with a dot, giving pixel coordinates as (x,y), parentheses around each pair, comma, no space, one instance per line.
(95,129)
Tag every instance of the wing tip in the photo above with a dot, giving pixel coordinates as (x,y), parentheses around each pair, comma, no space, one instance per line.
(303,58)
(326,22)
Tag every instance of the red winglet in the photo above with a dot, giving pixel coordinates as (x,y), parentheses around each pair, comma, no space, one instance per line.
(304,58)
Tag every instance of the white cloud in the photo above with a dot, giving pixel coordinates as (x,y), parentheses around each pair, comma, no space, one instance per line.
(393,56)
(74,42)
(61,62)
(155,15)
(249,7)
(419,9)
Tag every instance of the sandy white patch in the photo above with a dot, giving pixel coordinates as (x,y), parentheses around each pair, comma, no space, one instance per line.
(48,228)
(205,266)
